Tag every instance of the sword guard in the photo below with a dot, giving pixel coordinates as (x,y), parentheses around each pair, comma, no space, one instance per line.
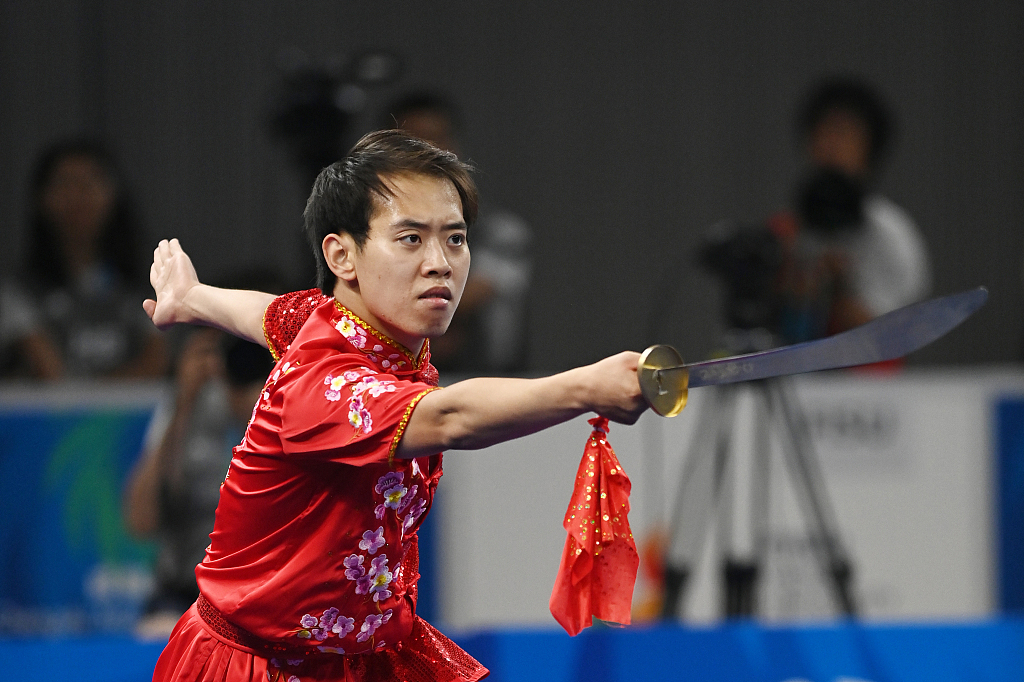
(665,392)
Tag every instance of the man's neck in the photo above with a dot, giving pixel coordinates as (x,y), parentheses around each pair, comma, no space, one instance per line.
(351,299)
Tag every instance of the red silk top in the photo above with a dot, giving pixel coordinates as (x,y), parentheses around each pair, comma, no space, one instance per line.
(314,545)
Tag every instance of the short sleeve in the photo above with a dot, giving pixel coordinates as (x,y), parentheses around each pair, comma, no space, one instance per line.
(285,316)
(352,415)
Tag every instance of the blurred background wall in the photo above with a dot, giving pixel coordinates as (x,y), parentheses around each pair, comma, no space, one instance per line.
(619,132)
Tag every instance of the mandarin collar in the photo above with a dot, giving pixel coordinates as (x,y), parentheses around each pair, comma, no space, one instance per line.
(380,348)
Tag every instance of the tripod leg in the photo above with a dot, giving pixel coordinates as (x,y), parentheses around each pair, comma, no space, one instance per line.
(696,496)
(832,558)
(743,567)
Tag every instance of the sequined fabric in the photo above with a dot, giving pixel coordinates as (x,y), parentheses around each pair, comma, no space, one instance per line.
(428,656)
(599,562)
(285,316)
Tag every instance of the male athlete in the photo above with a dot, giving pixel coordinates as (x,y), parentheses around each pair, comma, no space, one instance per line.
(312,566)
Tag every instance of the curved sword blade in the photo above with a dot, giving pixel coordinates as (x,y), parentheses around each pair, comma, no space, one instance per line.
(889,336)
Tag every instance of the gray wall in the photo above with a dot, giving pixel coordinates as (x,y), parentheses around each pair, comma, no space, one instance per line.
(618,132)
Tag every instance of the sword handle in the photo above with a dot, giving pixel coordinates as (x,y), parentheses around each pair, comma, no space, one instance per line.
(664,391)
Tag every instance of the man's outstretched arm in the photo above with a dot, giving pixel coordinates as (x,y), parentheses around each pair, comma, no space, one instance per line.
(480,412)
(180,298)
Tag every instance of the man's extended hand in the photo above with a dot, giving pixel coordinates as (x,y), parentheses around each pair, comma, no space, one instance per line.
(172,277)
(615,391)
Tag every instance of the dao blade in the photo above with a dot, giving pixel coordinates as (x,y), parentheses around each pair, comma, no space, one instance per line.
(889,336)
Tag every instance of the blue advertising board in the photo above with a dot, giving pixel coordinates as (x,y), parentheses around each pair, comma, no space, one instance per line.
(67,563)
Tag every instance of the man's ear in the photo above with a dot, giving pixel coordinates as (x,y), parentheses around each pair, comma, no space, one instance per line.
(338,252)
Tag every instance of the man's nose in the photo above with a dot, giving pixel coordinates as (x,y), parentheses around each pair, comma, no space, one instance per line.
(435,262)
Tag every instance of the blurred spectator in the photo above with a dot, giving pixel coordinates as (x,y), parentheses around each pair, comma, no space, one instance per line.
(489,330)
(849,254)
(75,311)
(173,491)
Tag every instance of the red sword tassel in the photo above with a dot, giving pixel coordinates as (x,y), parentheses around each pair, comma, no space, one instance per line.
(599,563)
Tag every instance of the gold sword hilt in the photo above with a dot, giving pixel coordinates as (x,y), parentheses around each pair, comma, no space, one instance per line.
(665,392)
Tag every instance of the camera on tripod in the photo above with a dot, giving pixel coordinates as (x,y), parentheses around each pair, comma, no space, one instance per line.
(757,262)
(757,265)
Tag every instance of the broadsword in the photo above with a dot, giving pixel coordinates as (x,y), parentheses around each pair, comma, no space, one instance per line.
(665,380)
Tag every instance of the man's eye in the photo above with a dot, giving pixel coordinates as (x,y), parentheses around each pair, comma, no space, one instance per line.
(410,239)
(458,239)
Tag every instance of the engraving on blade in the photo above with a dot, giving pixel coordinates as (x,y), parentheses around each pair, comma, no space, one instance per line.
(724,373)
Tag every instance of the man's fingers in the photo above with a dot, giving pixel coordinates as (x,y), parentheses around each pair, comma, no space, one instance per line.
(149,305)
(162,253)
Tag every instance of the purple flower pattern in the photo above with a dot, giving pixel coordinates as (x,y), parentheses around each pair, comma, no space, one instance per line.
(354,568)
(381,578)
(373,540)
(407,500)
(361,383)
(388,480)
(415,512)
(330,623)
(370,625)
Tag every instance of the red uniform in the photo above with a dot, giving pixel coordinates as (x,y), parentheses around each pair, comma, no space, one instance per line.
(312,565)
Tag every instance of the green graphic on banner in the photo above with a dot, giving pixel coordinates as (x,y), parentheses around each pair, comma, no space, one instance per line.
(84,466)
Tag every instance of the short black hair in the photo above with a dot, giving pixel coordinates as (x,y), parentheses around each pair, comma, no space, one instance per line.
(853,95)
(344,194)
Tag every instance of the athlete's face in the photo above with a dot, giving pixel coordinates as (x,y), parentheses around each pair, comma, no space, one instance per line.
(409,275)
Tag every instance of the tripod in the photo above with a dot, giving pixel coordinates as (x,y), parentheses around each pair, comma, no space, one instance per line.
(703,487)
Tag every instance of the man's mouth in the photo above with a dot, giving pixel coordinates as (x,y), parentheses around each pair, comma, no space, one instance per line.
(437,292)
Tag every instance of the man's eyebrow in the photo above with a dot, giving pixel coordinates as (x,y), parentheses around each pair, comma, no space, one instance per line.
(410,222)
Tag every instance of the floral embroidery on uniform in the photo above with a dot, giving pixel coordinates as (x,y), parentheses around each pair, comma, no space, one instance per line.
(355,334)
(415,512)
(370,625)
(374,582)
(406,499)
(264,401)
(330,623)
(373,540)
(361,383)
(399,498)
(381,578)
(393,496)
(388,480)
(358,416)
(336,384)
(354,569)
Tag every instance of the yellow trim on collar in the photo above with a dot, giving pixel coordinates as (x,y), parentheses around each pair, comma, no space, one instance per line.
(416,362)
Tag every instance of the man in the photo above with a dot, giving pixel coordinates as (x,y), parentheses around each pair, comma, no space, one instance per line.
(312,566)
(851,254)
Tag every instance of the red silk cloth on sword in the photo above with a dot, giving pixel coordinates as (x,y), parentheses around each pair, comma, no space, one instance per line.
(599,563)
